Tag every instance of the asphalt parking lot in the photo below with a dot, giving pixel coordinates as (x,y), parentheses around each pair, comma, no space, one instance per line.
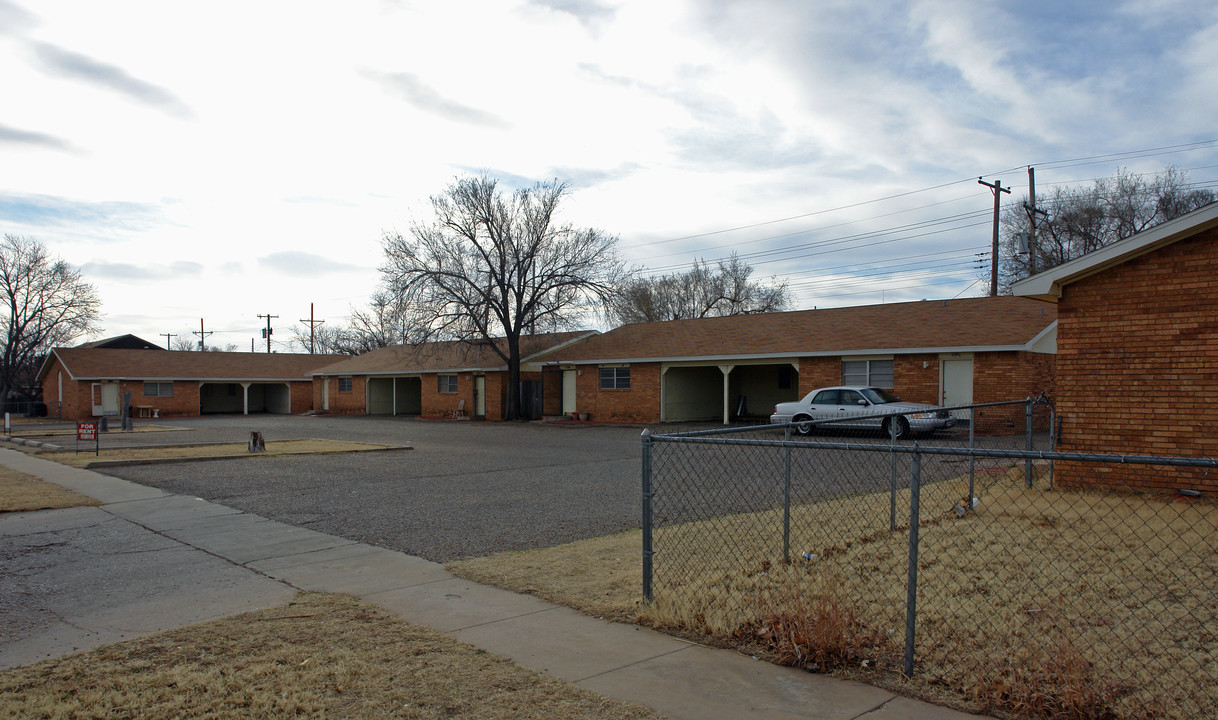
(465,489)
(468,489)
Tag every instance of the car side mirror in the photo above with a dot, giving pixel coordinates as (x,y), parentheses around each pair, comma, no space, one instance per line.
(862,402)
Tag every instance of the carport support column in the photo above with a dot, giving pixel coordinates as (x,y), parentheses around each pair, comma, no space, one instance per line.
(245,398)
(727,401)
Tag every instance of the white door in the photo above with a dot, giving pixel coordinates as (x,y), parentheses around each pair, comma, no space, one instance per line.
(479,396)
(105,399)
(957,377)
(568,392)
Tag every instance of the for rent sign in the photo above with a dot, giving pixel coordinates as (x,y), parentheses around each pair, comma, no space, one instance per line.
(87,431)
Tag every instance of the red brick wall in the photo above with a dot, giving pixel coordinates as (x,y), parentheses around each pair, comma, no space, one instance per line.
(914,383)
(1137,361)
(352,403)
(639,404)
(818,372)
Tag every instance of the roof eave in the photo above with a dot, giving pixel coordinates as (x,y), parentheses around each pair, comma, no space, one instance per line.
(1048,285)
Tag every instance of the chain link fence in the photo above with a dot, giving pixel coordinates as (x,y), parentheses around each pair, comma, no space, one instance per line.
(959,563)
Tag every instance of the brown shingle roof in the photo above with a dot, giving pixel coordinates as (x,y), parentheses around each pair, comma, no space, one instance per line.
(971,323)
(433,357)
(103,363)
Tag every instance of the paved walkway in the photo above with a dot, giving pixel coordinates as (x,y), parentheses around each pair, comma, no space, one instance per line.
(147,561)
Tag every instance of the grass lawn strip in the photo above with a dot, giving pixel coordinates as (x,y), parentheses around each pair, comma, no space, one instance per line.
(209,451)
(323,655)
(20,492)
(1027,579)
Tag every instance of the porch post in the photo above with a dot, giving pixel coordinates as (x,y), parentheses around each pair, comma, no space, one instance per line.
(245,398)
(727,407)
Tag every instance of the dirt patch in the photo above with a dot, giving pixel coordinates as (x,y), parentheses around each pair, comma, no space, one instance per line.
(20,492)
(322,655)
(1034,602)
(214,451)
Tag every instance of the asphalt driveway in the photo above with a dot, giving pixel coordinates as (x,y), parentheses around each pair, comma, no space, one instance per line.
(466,489)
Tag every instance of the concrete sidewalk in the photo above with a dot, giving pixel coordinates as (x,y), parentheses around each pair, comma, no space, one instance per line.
(147,561)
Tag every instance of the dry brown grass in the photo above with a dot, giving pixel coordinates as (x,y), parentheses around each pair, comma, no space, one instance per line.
(286,447)
(321,656)
(20,492)
(1037,604)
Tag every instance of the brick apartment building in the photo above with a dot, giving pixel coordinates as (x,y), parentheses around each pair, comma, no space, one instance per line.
(1137,360)
(945,352)
(85,382)
(436,380)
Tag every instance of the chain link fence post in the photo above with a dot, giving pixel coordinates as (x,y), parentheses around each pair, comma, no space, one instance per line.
(911,589)
(647,519)
(1028,445)
(786,498)
(972,459)
(892,475)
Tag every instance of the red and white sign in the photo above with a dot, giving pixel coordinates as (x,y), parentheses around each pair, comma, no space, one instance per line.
(86,431)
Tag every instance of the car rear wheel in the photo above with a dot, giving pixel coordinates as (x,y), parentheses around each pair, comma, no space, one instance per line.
(803,424)
(902,427)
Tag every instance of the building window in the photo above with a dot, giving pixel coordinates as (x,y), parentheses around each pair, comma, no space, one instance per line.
(447,384)
(870,373)
(784,377)
(344,384)
(158,389)
(615,378)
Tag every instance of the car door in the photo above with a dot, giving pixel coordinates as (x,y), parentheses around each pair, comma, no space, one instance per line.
(851,405)
(823,405)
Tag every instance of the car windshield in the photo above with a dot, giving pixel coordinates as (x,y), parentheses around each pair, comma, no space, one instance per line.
(879,396)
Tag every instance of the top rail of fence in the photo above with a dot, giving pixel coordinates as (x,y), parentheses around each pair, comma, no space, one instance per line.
(916,448)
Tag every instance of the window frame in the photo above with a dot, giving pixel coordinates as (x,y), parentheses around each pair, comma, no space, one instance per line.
(614,377)
(349,382)
(159,387)
(447,384)
(877,372)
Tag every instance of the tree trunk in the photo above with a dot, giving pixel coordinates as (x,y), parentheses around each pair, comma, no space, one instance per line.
(513,385)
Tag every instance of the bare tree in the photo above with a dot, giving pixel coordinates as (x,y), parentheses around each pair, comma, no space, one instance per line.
(492,265)
(1084,219)
(49,305)
(702,291)
(184,344)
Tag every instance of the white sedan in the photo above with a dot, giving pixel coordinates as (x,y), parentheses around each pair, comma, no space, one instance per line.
(860,407)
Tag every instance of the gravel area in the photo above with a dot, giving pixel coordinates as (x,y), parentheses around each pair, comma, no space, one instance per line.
(466,489)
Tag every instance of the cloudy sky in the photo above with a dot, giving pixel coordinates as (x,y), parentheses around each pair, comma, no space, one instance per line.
(224,160)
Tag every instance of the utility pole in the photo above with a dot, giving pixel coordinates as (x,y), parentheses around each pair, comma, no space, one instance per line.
(312,323)
(1033,211)
(168,342)
(202,336)
(267,332)
(998,189)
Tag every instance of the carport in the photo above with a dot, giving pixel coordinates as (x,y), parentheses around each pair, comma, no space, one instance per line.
(395,395)
(245,398)
(694,393)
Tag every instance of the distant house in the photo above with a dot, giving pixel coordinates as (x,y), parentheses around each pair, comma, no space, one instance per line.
(947,352)
(440,379)
(122,342)
(90,382)
(1138,344)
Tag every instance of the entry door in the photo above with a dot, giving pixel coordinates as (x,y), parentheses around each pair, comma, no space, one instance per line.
(568,392)
(105,399)
(958,384)
(479,396)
